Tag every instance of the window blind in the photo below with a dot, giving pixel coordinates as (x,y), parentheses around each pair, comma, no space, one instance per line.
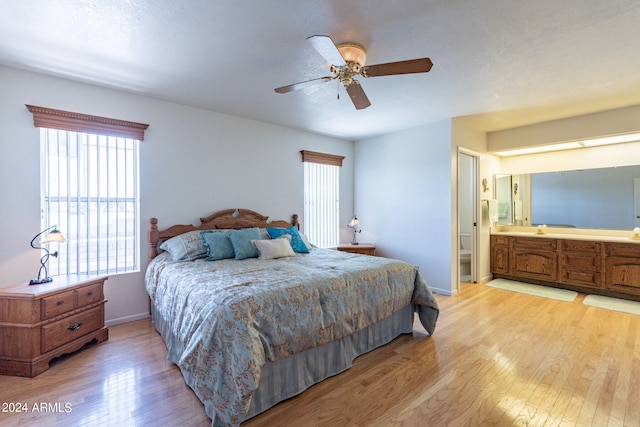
(90,190)
(321,204)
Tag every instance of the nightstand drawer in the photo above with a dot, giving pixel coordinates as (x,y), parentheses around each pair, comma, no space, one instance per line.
(70,328)
(57,304)
(362,249)
(89,294)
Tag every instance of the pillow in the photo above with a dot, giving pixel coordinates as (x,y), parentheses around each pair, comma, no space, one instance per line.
(185,247)
(286,237)
(296,240)
(241,242)
(305,239)
(218,245)
(271,249)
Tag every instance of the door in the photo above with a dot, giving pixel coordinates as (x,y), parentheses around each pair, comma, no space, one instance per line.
(467,217)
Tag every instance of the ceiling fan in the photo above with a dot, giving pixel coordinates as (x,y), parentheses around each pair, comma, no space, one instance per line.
(347,60)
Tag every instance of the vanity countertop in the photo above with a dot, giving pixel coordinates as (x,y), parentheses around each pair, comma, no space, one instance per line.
(617,236)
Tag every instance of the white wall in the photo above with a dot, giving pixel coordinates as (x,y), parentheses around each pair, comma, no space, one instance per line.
(403,198)
(193,163)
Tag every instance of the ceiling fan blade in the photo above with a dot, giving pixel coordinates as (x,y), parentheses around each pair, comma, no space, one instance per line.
(358,97)
(327,48)
(300,85)
(410,66)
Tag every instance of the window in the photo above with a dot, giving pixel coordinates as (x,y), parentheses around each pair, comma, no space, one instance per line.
(322,198)
(90,190)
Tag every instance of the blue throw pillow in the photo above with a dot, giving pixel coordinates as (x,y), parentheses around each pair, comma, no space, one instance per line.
(241,242)
(218,245)
(296,239)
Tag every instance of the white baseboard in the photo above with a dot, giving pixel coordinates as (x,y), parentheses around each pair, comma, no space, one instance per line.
(126,319)
(447,292)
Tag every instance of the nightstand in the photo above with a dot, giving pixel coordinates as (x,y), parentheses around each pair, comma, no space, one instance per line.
(362,248)
(41,322)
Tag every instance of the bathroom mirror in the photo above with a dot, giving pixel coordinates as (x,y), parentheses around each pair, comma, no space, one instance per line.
(607,198)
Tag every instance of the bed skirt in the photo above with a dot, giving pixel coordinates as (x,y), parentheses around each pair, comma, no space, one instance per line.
(288,377)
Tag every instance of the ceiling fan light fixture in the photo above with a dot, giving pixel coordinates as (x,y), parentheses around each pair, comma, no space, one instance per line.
(347,60)
(353,53)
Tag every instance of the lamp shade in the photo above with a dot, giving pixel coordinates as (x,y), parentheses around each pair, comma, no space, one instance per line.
(54,236)
(353,223)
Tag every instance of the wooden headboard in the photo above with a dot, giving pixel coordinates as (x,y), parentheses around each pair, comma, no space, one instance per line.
(226,219)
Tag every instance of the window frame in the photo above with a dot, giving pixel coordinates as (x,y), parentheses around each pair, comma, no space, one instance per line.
(110,133)
(326,163)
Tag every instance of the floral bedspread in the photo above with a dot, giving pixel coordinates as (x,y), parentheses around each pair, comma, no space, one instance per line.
(231,317)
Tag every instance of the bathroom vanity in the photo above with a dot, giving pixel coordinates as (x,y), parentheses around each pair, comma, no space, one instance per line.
(604,262)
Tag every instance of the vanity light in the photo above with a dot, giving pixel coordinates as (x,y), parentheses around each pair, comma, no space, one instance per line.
(607,140)
(539,149)
(593,142)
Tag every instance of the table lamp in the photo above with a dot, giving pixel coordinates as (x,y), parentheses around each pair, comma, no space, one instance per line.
(54,236)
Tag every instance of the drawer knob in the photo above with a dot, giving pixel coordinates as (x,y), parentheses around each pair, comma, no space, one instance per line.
(60,302)
(90,293)
(75,326)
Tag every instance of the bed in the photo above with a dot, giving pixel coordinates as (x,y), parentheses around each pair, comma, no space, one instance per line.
(248,332)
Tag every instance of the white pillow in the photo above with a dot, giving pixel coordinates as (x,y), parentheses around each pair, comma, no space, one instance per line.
(276,248)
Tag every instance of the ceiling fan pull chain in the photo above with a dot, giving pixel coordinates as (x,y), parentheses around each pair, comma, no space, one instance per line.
(338,90)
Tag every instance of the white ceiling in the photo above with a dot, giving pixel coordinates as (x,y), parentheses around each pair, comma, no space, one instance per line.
(502,63)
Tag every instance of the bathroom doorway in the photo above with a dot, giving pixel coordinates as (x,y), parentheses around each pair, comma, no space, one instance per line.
(467,216)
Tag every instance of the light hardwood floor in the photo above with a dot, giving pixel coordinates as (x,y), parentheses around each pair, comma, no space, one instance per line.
(496,358)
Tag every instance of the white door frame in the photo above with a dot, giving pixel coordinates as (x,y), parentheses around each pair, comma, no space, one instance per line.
(475,237)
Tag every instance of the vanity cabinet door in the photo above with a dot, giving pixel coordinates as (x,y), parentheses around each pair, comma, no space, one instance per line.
(622,267)
(500,254)
(535,258)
